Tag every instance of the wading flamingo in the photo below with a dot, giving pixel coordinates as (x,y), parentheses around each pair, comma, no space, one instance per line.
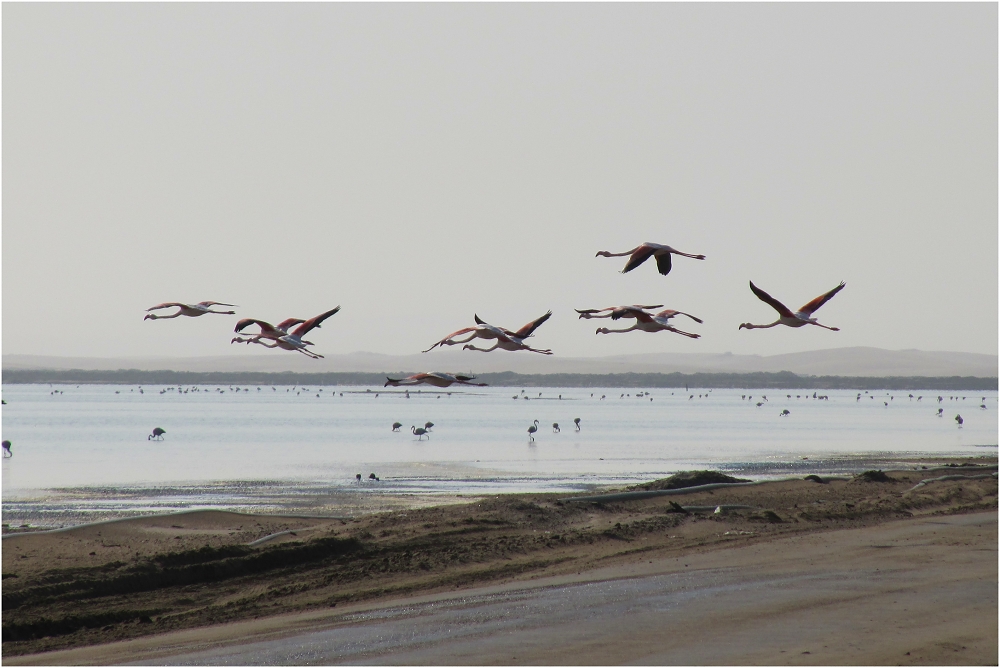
(190,310)
(531,431)
(419,431)
(801,317)
(641,253)
(157,434)
(6,450)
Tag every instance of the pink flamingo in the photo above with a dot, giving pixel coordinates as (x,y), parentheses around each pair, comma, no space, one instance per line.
(435,378)
(505,338)
(798,319)
(190,310)
(643,252)
(649,322)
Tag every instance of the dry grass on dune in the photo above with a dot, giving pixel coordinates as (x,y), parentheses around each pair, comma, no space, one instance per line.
(107,582)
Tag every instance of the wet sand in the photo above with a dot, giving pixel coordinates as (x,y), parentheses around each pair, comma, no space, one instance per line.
(847,571)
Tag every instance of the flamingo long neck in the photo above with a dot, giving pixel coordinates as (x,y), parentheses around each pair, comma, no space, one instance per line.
(610,254)
(751,326)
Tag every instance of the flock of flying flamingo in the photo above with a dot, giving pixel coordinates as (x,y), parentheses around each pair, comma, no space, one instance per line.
(279,336)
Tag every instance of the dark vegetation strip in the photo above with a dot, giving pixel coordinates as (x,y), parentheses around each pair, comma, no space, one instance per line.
(781,380)
(186,568)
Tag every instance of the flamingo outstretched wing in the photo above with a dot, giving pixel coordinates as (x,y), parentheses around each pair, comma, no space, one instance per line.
(290,322)
(264,326)
(663,263)
(782,310)
(313,323)
(640,255)
(527,330)
(466,330)
(627,312)
(207,304)
(670,313)
(814,305)
(167,305)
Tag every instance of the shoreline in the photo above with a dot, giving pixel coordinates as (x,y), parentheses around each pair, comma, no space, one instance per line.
(146,577)
(787,604)
(63,508)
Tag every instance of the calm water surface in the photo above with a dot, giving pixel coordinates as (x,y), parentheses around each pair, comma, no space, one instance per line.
(85,447)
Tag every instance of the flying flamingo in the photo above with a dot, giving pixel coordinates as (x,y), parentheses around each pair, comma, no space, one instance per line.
(294,340)
(273,333)
(505,338)
(435,378)
(588,313)
(190,310)
(798,319)
(641,253)
(650,322)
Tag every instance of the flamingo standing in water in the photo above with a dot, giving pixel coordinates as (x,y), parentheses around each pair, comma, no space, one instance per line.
(190,310)
(798,319)
(643,252)
(531,431)
(505,338)
(419,431)
(157,434)
(649,322)
(6,450)
(435,378)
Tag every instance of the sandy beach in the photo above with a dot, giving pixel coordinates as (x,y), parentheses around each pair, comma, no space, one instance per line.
(876,569)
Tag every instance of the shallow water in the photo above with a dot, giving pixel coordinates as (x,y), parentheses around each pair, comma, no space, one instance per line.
(85,449)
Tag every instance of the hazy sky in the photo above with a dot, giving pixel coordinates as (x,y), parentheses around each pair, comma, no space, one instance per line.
(417,164)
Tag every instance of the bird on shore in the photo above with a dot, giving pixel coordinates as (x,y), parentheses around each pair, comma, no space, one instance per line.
(157,435)
(576,421)
(505,338)
(650,322)
(190,310)
(644,251)
(801,317)
(435,378)
(419,432)
(6,450)
(531,431)
(396,426)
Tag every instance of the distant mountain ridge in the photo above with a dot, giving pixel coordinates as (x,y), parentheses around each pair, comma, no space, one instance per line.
(855,361)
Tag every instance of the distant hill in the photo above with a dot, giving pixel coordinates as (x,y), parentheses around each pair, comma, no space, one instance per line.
(855,362)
